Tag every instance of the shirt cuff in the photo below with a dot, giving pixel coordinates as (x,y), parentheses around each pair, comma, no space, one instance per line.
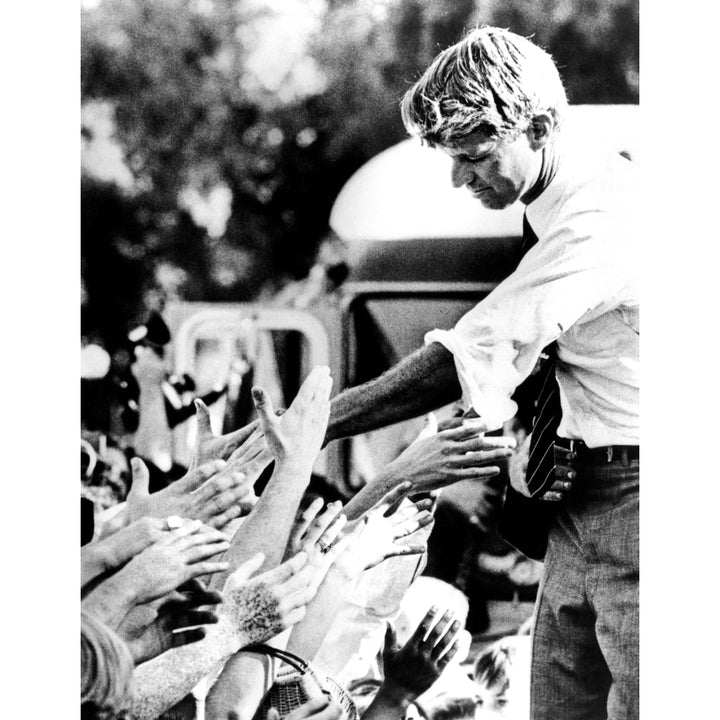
(492,404)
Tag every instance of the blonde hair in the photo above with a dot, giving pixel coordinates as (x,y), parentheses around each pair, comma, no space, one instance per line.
(106,671)
(492,81)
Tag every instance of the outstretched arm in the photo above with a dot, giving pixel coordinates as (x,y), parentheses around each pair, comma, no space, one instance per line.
(424,381)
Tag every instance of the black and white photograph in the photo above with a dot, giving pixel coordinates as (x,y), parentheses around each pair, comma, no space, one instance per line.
(359,356)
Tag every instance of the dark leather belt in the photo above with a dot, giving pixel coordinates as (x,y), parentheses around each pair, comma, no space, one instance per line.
(578,450)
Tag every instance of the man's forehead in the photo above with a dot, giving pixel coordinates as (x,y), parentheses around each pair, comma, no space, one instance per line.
(472,144)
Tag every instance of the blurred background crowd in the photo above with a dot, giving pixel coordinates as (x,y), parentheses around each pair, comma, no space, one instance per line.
(216,136)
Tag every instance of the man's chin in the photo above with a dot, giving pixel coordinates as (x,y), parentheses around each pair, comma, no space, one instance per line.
(493,202)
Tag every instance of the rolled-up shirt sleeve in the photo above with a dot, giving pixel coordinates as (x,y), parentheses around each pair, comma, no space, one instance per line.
(566,276)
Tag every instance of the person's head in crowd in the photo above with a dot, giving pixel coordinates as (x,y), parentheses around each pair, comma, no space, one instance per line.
(492,102)
(501,672)
(106,672)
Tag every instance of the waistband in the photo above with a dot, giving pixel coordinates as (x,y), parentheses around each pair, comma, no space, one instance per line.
(578,450)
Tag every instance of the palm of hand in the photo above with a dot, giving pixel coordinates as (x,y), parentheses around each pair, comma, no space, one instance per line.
(411,667)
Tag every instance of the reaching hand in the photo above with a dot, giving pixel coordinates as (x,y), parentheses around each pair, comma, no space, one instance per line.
(180,555)
(208,446)
(377,535)
(315,535)
(261,607)
(320,708)
(457,453)
(412,669)
(297,435)
(215,494)
(150,631)
(115,550)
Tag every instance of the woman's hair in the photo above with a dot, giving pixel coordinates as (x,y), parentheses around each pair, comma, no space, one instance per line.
(492,81)
(491,667)
(106,672)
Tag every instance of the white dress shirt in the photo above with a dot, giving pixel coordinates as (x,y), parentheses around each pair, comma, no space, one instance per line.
(579,286)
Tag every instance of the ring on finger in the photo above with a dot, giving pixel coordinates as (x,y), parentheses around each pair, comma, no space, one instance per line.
(174,522)
(324,547)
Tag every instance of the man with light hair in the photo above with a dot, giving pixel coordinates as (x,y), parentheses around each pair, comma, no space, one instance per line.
(494,103)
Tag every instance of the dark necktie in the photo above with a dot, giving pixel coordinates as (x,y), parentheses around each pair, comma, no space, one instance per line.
(540,473)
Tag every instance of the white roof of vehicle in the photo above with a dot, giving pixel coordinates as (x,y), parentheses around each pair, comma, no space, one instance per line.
(404,192)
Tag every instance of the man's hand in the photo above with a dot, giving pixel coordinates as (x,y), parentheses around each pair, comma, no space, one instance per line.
(458,453)
(321,708)
(297,435)
(180,555)
(261,607)
(209,447)
(518,469)
(379,534)
(412,669)
(150,631)
(115,550)
(315,535)
(215,493)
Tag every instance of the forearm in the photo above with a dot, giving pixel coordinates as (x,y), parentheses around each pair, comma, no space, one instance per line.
(307,636)
(162,682)
(388,704)
(424,381)
(110,601)
(374,491)
(268,526)
(93,563)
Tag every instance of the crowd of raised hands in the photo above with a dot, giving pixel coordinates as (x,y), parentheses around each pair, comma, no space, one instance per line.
(188,586)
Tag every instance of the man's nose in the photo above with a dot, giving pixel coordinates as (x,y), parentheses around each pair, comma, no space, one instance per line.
(460,173)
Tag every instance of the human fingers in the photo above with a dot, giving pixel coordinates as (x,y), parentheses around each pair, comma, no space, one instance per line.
(263,405)
(439,629)
(487,442)
(273,714)
(442,645)
(186,637)
(332,533)
(297,582)
(309,387)
(140,479)
(425,624)
(473,473)
(241,508)
(200,552)
(470,427)
(195,594)
(246,570)
(208,567)
(249,449)
(412,525)
(322,522)
(285,571)
(449,655)
(450,423)
(228,477)
(202,416)
(236,439)
(307,516)
(482,457)
(196,478)
(397,550)
(307,709)
(391,644)
(181,615)
(392,499)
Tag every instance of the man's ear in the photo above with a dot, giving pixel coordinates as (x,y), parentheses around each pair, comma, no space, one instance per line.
(541,129)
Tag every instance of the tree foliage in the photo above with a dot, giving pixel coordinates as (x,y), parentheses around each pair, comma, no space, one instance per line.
(197,108)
